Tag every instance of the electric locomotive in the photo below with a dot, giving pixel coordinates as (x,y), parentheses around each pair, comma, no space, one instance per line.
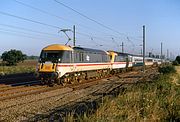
(63,64)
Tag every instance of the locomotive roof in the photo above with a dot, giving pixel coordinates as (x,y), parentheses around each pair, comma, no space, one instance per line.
(119,53)
(57,47)
(89,50)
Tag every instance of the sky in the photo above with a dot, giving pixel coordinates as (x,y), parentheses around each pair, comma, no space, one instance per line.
(30,25)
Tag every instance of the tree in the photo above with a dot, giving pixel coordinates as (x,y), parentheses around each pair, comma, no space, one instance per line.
(178,59)
(13,57)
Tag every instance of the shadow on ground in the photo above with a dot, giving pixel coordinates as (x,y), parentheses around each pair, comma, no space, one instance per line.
(78,109)
(17,79)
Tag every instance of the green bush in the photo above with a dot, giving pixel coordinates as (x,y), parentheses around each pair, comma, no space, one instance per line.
(167,69)
(175,63)
(13,57)
(178,59)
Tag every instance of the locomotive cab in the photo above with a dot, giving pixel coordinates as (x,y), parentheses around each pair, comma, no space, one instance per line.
(49,59)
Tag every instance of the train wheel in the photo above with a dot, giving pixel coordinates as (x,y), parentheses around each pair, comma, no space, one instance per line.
(79,80)
(64,81)
(42,82)
(58,81)
(51,83)
(81,77)
(72,80)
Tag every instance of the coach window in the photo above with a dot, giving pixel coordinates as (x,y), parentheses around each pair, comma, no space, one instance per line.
(79,57)
(104,58)
(82,57)
(130,59)
(72,57)
(66,57)
(117,58)
(98,57)
(76,57)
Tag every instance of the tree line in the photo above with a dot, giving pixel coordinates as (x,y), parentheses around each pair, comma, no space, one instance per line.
(13,57)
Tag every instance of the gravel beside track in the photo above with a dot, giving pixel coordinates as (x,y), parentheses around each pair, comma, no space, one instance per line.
(51,103)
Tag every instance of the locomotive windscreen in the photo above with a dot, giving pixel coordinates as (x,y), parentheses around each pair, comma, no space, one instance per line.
(53,56)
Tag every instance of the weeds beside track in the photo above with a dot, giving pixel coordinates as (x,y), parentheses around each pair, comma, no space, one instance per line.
(149,101)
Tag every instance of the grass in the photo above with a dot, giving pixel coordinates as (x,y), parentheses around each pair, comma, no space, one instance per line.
(177,77)
(27,66)
(156,101)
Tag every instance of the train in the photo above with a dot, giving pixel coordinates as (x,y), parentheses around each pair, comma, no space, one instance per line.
(62,64)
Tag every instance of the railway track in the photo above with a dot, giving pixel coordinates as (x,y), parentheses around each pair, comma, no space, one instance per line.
(15,86)
(62,96)
(26,83)
(20,91)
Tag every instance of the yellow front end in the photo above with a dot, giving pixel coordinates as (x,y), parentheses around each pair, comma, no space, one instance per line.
(112,56)
(47,73)
(45,67)
(50,56)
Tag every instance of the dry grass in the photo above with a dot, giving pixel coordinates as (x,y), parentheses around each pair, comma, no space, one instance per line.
(27,66)
(157,101)
(28,63)
(177,78)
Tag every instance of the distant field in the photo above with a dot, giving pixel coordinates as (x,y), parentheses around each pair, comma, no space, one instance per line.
(27,66)
(28,63)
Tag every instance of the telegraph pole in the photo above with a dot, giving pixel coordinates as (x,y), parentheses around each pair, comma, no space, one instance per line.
(143,48)
(161,51)
(170,56)
(122,47)
(167,54)
(74,36)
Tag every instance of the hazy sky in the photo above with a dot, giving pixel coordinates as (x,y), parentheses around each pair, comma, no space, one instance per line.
(30,25)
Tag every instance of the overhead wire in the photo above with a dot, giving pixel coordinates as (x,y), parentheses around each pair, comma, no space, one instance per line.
(53,15)
(93,20)
(40,10)
(19,35)
(30,20)
(26,29)
(37,22)
(4,13)
(45,24)
(48,13)
(85,16)
(15,31)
